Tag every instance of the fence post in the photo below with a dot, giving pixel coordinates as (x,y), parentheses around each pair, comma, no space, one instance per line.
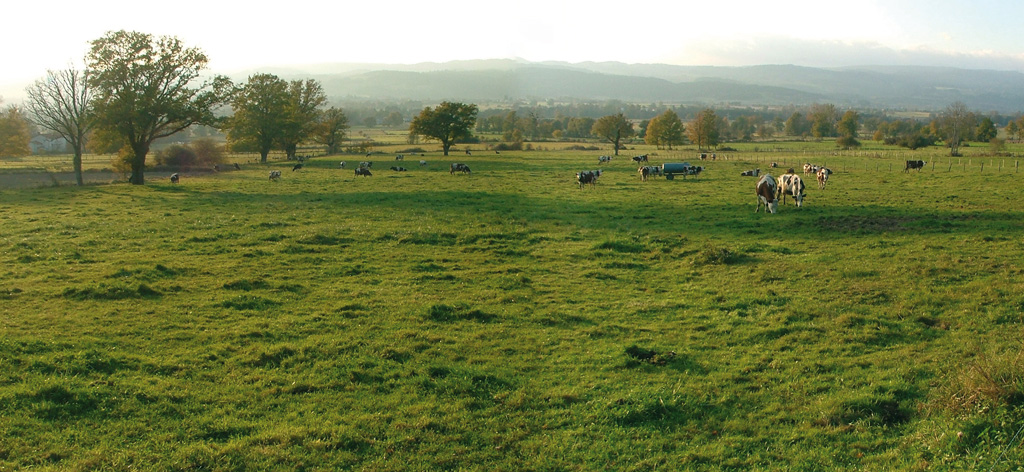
(982,166)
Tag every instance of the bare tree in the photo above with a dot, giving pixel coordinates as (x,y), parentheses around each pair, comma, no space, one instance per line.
(60,103)
(955,122)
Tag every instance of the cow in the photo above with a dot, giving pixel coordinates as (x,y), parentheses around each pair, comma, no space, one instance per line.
(774,165)
(398,169)
(603,159)
(692,170)
(811,168)
(174,178)
(399,157)
(275,174)
(341,165)
(366,164)
(640,158)
(750,173)
(823,174)
(587,177)
(296,167)
(644,172)
(765,190)
(237,167)
(458,167)
(914,165)
(363,171)
(703,156)
(423,163)
(792,185)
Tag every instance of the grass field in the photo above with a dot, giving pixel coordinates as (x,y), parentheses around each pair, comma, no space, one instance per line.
(508,320)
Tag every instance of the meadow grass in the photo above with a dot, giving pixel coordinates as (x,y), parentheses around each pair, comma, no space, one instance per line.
(508,320)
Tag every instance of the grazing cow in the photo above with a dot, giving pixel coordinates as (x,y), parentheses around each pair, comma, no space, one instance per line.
(237,167)
(275,174)
(750,173)
(216,168)
(468,153)
(811,168)
(587,177)
(341,165)
(423,163)
(703,156)
(174,178)
(640,158)
(603,159)
(774,165)
(398,169)
(363,171)
(399,157)
(914,165)
(296,167)
(765,190)
(458,167)
(366,164)
(792,185)
(823,174)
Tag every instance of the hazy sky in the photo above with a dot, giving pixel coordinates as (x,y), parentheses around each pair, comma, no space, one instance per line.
(36,36)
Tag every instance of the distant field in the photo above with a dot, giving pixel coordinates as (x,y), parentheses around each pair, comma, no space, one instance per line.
(508,320)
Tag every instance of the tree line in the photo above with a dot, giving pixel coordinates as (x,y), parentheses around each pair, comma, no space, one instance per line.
(136,89)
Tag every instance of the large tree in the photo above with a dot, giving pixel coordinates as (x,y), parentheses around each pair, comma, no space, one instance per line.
(143,90)
(60,103)
(954,125)
(614,128)
(848,130)
(823,120)
(330,129)
(15,133)
(448,122)
(305,97)
(666,130)
(703,130)
(259,113)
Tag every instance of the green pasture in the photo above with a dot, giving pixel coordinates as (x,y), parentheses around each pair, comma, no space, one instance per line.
(509,320)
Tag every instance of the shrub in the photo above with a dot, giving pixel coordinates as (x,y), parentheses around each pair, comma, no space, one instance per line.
(176,155)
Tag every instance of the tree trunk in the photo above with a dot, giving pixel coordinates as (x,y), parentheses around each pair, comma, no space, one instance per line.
(77,163)
(139,164)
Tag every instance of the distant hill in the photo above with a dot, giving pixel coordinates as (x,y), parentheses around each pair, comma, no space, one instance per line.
(891,87)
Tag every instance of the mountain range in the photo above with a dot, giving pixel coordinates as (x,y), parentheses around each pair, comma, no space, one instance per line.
(917,88)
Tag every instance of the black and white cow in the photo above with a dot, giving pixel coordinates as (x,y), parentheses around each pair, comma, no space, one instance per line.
(174,178)
(914,165)
(587,177)
(750,173)
(275,174)
(640,158)
(398,169)
(458,167)
(765,189)
(603,159)
(792,185)
(363,171)
(341,165)
(399,157)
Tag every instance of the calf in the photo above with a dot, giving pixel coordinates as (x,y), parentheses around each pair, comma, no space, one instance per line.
(363,171)
(792,185)
(458,167)
(174,178)
(765,190)
(275,174)
(823,174)
(914,165)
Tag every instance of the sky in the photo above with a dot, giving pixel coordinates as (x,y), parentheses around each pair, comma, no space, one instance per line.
(247,36)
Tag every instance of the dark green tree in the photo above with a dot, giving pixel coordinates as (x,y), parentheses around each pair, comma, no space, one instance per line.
(666,130)
(448,123)
(305,97)
(986,130)
(330,129)
(260,110)
(142,90)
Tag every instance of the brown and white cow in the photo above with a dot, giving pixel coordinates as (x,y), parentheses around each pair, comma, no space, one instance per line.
(792,185)
(823,174)
(765,190)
